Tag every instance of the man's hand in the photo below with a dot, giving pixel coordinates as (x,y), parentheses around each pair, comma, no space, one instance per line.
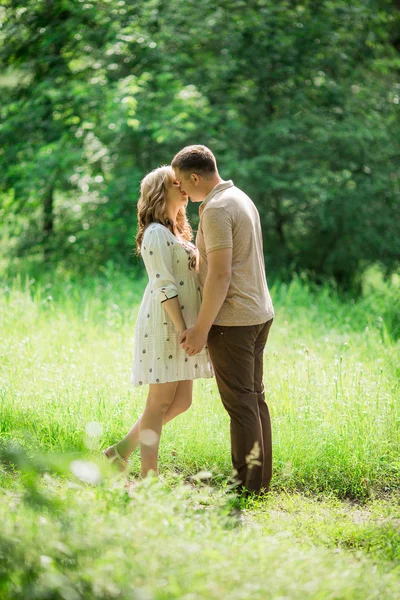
(193,340)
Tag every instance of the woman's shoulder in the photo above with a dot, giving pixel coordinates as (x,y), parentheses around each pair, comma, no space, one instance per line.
(156,234)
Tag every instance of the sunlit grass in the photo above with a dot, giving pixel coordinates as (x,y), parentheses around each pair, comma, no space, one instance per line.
(332,385)
(332,379)
(173,540)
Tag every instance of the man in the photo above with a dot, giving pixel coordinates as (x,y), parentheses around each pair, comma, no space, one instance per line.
(236,312)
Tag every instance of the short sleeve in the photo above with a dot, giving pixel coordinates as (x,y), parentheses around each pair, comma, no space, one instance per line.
(157,249)
(217,229)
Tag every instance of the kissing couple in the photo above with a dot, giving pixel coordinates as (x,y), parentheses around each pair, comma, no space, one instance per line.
(206,310)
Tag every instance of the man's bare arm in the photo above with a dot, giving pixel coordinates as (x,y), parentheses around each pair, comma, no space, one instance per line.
(216,287)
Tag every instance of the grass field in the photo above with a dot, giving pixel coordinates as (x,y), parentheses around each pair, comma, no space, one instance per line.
(331,526)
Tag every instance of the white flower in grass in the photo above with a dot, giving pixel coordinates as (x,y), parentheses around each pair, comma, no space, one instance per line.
(86,471)
(202,475)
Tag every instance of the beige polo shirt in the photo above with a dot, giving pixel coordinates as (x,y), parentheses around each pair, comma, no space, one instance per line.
(229,219)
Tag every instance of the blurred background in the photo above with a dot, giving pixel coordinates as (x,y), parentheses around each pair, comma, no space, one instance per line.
(299,100)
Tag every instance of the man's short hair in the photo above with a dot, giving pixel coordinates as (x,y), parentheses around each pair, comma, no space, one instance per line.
(195,159)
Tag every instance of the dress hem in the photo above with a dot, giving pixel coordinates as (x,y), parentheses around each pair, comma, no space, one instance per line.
(171,380)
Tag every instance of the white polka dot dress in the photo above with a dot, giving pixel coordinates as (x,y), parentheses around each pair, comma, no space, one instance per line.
(172,270)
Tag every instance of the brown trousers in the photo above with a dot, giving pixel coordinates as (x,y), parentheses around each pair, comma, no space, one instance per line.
(237,357)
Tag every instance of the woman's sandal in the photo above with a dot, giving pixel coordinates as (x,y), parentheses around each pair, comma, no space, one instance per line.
(116,457)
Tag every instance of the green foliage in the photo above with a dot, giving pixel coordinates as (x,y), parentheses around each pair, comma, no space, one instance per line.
(309,95)
(299,101)
(171,539)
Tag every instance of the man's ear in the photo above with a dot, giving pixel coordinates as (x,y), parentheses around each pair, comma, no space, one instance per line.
(195,179)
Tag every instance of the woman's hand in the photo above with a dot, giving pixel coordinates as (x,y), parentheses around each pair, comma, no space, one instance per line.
(173,309)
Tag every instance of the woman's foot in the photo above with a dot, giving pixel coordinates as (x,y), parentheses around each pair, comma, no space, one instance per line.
(114,457)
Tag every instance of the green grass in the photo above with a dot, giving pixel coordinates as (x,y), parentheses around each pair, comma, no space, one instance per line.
(332,385)
(330,528)
(181,543)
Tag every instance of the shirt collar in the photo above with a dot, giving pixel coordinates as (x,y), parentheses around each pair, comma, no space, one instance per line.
(220,187)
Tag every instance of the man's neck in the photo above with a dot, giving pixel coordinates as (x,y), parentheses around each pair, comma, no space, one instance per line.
(211,183)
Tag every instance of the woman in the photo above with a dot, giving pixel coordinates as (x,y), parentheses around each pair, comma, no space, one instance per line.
(170,305)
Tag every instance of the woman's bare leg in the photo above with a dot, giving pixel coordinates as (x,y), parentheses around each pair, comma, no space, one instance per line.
(158,402)
(181,402)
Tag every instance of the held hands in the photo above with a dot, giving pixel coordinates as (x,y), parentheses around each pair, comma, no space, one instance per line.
(193,340)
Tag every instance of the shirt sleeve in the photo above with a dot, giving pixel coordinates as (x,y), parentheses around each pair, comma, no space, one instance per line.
(157,251)
(217,229)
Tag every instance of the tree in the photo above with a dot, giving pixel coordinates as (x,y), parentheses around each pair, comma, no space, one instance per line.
(299,101)
(74,149)
(307,101)
(46,109)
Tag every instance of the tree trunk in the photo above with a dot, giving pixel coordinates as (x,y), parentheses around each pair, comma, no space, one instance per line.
(279,219)
(48,220)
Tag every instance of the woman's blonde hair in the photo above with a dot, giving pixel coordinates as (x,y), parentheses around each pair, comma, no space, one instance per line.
(152,205)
